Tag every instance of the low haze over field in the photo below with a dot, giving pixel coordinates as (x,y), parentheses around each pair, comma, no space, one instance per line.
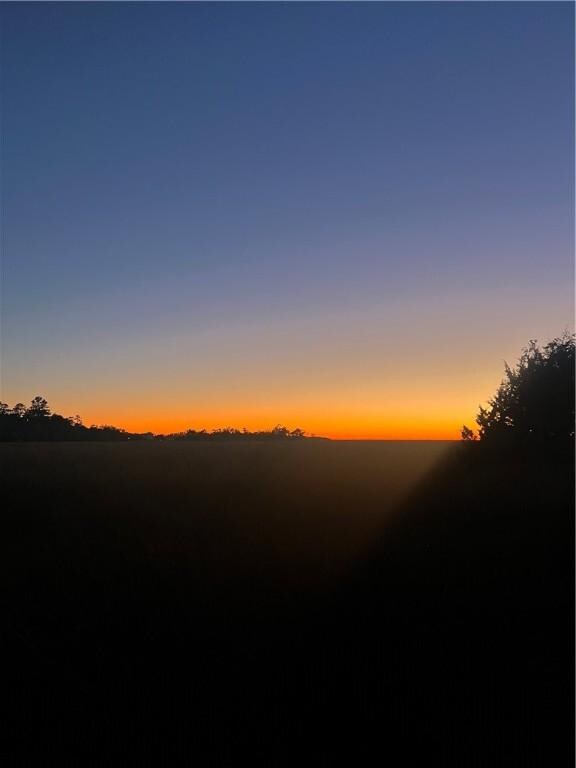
(333,216)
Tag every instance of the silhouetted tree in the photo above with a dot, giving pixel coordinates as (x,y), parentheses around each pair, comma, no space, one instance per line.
(468,434)
(38,408)
(534,404)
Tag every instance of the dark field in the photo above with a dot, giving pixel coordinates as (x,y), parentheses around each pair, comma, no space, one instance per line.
(293,603)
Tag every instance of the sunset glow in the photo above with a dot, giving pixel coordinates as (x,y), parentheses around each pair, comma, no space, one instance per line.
(287,374)
(342,218)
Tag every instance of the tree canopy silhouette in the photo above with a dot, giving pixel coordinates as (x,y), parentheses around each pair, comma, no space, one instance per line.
(534,404)
(38,409)
(38,423)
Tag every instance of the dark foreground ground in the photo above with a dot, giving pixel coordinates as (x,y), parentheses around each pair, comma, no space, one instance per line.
(286,604)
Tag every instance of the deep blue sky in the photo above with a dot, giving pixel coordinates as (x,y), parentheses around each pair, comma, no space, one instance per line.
(265,204)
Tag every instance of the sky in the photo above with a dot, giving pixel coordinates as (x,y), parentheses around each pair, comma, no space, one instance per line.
(334,216)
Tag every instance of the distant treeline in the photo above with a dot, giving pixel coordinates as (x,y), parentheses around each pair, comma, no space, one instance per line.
(37,423)
(533,409)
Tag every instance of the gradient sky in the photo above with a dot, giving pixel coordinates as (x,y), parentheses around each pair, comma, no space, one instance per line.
(334,216)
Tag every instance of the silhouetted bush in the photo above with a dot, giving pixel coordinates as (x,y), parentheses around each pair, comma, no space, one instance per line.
(534,405)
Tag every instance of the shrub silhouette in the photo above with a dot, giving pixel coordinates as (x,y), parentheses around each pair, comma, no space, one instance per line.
(534,404)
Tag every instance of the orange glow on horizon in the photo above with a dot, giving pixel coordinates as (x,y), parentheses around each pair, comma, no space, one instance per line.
(335,429)
(402,409)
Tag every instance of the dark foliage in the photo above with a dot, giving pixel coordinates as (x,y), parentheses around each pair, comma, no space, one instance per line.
(37,423)
(230,433)
(534,405)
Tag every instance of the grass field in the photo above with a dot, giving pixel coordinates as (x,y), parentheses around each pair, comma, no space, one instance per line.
(170,603)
